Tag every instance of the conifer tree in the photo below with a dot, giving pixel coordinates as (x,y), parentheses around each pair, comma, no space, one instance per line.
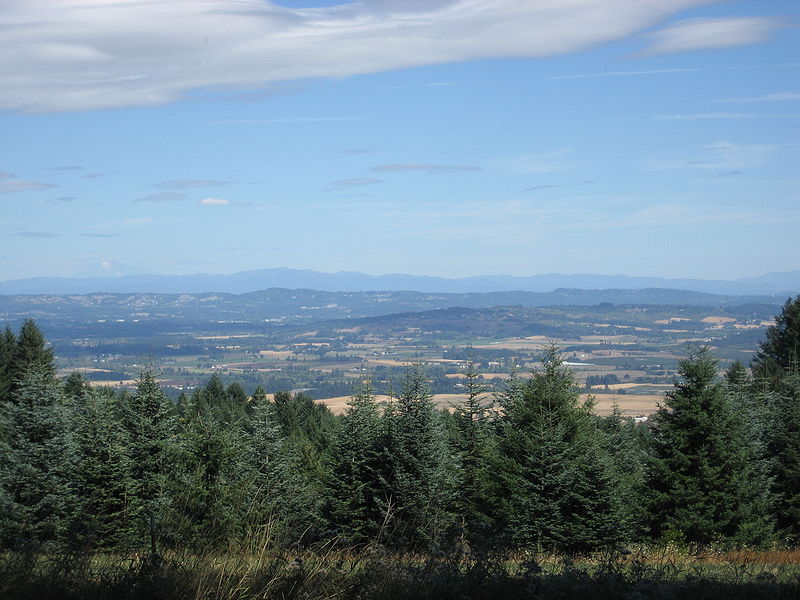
(358,484)
(149,426)
(783,452)
(99,472)
(280,499)
(779,354)
(562,490)
(474,443)
(421,475)
(209,495)
(35,497)
(8,347)
(32,352)
(705,485)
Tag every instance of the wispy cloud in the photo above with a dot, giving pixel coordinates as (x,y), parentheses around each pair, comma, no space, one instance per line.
(428,168)
(67,168)
(287,120)
(182,184)
(222,202)
(357,181)
(162,197)
(722,115)
(65,199)
(534,164)
(624,73)
(21,185)
(705,33)
(6,175)
(62,57)
(720,156)
(536,188)
(36,234)
(214,202)
(776,97)
(100,235)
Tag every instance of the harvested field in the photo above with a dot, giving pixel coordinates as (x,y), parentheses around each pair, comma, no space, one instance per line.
(630,405)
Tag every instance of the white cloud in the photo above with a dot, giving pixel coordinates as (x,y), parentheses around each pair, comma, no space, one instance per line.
(66,55)
(776,97)
(214,202)
(721,156)
(704,34)
(721,115)
(20,185)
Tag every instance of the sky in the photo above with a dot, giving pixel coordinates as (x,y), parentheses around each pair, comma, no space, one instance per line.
(431,137)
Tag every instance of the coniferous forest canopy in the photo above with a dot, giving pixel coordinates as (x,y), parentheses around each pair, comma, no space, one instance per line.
(107,491)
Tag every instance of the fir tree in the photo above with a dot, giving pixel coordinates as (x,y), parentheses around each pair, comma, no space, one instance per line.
(149,426)
(31,352)
(35,497)
(8,348)
(280,499)
(779,354)
(473,444)
(421,475)
(705,487)
(99,472)
(562,492)
(358,485)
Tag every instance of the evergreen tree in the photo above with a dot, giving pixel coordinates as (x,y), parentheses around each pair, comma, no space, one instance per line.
(99,472)
(421,474)
(779,354)
(209,495)
(561,486)
(8,348)
(31,353)
(705,485)
(473,444)
(628,452)
(281,502)
(34,489)
(357,500)
(149,426)
(783,451)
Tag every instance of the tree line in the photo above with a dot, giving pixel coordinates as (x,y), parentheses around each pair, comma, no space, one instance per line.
(528,466)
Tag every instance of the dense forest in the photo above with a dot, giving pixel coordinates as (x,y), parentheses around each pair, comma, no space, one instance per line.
(527,468)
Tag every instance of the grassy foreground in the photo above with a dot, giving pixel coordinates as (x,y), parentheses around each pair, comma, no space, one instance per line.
(372,573)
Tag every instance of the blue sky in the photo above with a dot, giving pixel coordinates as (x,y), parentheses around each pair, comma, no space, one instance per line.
(435,137)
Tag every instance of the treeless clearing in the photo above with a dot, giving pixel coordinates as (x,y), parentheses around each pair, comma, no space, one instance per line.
(630,406)
(718,320)
(280,354)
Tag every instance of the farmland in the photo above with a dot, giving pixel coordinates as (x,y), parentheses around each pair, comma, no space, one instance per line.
(279,342)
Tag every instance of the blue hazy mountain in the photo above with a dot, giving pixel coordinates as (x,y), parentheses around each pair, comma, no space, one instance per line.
(785,283)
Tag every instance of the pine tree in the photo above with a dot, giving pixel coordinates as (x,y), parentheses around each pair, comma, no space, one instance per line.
(562,492)
(705,486)
(35,497)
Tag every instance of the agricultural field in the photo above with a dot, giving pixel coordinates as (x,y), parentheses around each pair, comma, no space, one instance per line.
(622,355)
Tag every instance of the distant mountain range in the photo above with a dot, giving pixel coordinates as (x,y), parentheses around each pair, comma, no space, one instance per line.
(771,284)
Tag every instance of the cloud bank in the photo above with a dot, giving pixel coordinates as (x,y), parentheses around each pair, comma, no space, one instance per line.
(75,55)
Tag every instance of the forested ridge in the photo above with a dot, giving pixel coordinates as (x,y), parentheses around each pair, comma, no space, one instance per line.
(526,468)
